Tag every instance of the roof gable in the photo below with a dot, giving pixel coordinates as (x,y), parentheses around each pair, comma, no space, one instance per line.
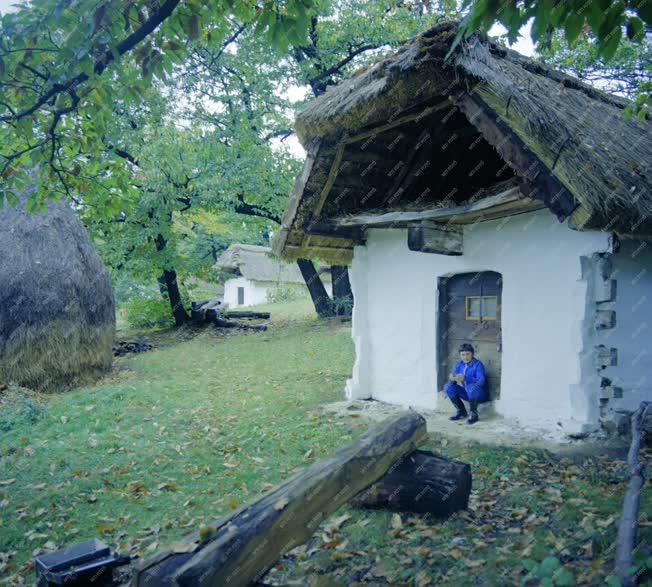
(565,143)
(256,263)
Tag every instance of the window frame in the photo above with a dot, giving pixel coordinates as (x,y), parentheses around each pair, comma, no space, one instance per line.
(481,317)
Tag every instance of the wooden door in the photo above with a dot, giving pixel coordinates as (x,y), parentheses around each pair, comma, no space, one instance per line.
(469,311)
(240,296)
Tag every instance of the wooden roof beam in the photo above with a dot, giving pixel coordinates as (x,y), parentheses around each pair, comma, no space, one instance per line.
(545,186)
(509,198)
(427,236)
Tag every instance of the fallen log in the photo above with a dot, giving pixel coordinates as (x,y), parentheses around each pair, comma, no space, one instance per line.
(229,324)
(246,543)
(421,482)
(245,314)
(628,525)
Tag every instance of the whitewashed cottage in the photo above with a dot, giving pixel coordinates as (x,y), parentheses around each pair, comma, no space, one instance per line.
(484,198)
(256,274)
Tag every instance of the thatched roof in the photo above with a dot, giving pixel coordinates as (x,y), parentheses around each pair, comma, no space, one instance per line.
(57,316)
(589,162)
(256,263)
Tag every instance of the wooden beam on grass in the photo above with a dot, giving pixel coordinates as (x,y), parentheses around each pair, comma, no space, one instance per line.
(249,541)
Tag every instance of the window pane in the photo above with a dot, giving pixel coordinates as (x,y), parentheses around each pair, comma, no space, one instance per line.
(473,307)
(489,307)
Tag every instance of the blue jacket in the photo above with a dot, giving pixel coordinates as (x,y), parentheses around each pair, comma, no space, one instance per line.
(473,373)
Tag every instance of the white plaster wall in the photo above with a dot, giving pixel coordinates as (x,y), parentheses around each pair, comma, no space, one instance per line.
(632,335)
(255,292)
(543,315)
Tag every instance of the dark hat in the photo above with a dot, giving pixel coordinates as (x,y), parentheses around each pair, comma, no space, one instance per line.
(466,347)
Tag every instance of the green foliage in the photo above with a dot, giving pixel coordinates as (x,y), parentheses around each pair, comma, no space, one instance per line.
(606,21)
(148,313)
(548,572)
(342,305)
(62,66)
(607,25)
(627,72)
(286,292)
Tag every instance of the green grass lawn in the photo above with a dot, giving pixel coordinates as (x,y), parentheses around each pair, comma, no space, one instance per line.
(533,519)
(175,438)
(180,435)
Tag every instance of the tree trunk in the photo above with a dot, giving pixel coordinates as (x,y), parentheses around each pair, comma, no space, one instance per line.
(342,294)
(628,526)
(176,304)
(163,288)
(320,298)
(169,279)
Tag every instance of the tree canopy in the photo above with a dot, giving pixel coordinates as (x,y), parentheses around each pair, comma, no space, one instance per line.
(66,67)
(605,24)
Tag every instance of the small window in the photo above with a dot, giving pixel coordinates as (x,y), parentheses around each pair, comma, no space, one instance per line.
(481,307)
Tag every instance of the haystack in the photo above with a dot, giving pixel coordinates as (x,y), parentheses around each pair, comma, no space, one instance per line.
(57,315)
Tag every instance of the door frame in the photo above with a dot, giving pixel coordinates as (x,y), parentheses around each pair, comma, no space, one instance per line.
(441,303)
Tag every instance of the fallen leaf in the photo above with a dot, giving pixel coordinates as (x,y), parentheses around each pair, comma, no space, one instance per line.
(456,553)
(104,529)
(396,523)
(334,524)
(281,503)
(168,486)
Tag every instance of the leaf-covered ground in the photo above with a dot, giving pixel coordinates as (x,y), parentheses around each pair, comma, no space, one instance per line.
(179,436)
(533,519)
(176,438)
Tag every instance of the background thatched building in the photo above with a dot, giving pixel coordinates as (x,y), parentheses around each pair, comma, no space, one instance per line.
(57,316)
(256,274)
(483,197)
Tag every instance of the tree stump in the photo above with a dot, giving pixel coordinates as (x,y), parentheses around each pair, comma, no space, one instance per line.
(421,482)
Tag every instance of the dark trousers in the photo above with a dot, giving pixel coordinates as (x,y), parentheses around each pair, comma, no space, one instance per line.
(475,392)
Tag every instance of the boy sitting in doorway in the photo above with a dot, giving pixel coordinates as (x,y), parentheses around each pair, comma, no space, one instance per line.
(467,381)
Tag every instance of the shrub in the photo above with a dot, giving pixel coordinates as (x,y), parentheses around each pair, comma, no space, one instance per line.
(148,313)
(286,292)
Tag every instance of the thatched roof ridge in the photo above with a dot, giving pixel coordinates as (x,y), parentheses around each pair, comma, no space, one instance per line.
(577,133)
(256,263)
(337,111)
(57,315)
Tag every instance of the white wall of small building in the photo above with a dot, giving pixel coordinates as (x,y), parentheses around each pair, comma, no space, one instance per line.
(544,317)
(255,292)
